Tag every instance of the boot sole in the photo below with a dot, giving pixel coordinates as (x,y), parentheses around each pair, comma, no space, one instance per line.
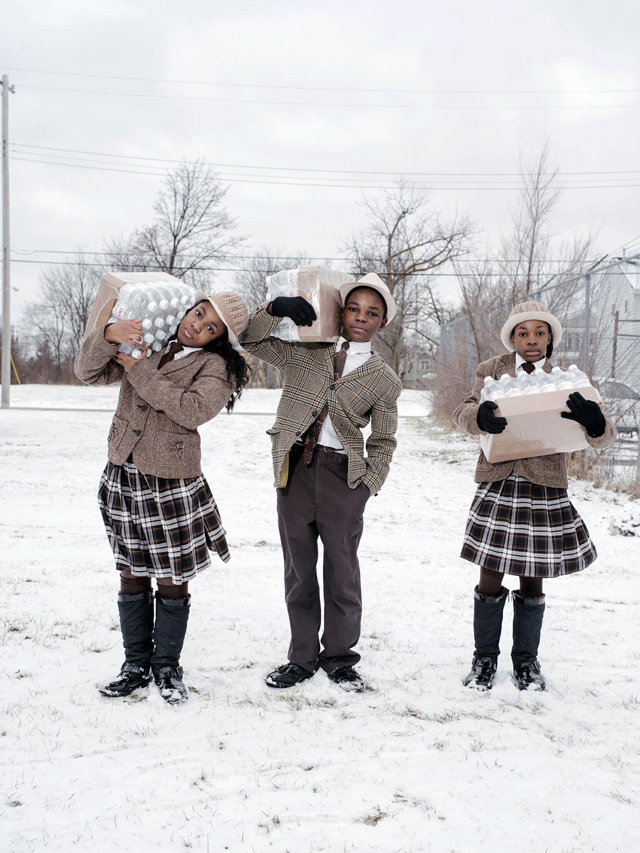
(115,694)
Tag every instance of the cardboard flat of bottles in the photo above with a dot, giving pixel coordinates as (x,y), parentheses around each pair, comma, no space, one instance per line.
(534,426)
(319,286)
(107,294)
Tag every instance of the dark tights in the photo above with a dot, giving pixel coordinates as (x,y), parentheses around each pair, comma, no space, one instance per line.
(491,584)
(130,585)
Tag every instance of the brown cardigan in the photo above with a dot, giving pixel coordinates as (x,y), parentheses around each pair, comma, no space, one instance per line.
(543,470)
(158,410)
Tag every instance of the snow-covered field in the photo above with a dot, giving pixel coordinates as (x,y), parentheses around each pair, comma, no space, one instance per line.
(416,763)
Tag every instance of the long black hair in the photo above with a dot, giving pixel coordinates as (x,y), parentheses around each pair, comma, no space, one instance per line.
(237,367)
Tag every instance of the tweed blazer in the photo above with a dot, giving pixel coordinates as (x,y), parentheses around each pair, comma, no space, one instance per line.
(158,410)
(369,393)
(543,470)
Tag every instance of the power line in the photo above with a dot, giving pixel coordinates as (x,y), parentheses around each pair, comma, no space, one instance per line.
(19,145)
(63,160)
(456,107)
(333,88)
(289,257)
(145,268)
(272,180)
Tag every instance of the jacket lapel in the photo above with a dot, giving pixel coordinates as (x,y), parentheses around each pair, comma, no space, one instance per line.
(179,363)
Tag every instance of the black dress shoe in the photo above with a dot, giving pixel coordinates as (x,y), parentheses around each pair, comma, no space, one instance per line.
(287,675)
(348,678)
(528,675)
(131,677)
(483,671)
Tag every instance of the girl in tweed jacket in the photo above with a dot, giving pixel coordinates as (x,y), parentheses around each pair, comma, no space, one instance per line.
(521,521)
(158,510)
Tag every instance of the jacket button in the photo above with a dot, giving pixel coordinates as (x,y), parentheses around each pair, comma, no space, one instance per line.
(298,433)
(143,407)
(138,431)
(332,387)
(314,414)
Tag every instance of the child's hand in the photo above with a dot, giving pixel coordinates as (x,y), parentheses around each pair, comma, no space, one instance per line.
(128,361)
(295,307)
(488,421)
(124,332)
(587,413)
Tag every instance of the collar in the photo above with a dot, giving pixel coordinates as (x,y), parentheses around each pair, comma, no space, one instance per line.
(539,365)
(184,351)
(355,347)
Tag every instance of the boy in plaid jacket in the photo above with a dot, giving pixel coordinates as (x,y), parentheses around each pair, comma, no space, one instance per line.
(330,392)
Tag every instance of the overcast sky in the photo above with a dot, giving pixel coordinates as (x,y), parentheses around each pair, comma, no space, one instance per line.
(563,71)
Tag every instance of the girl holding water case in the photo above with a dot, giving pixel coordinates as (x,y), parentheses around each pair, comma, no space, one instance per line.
(158,510)
(521,521)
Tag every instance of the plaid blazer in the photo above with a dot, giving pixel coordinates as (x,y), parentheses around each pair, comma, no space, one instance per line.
(158,410)
(369,393)
(544,470)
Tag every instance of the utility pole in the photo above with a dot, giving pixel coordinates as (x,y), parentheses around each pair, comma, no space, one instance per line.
(6,272)
(587,323)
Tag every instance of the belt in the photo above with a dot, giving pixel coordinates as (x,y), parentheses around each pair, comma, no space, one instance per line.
(298,445)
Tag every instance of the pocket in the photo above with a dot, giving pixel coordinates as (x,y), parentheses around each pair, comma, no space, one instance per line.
(117,432)
(173,446)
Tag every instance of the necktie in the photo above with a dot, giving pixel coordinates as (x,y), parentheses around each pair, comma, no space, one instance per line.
(528,367)
(175,347)
(313,433)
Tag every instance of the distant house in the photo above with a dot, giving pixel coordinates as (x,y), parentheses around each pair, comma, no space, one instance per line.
(614,322)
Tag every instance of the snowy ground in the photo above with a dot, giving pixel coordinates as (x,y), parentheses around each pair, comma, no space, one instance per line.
(416,763)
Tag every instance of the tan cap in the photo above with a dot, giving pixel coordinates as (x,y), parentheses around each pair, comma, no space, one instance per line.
(375,283)
(530,311)
(232,310)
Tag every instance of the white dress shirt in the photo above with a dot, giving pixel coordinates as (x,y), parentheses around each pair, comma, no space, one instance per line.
(184,352)
(357,354)
(539,365)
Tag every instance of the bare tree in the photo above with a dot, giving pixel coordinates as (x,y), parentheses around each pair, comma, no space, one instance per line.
(532,254)
(55,324)
(252,282)
(192,229)
(404,241)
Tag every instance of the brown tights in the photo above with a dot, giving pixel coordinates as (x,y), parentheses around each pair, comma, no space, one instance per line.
(131,585)
(491,584)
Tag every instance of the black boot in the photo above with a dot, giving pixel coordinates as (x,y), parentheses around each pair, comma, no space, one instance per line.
(527,624)
(487,625)
(172,615)
(136,623)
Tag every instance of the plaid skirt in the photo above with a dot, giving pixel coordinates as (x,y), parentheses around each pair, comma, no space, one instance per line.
(519,528)
(158,527)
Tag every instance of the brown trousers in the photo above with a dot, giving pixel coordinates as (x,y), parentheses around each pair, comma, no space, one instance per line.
(318,502)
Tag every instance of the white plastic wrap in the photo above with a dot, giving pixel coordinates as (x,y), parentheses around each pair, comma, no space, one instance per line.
(319,286)
(160,305)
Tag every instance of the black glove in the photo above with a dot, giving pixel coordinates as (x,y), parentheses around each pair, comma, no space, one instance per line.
(587,413)
(295,307)
(487,421)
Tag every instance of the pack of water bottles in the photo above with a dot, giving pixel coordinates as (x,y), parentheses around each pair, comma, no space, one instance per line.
(159,305)
(537,382)
(158,300)
(321,287)
(532,405)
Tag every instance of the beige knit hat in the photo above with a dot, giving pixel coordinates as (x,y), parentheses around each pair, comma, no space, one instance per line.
(232,310)
(530,311)
(375,283)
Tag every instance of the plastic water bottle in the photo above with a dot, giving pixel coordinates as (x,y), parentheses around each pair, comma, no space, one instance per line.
(578,378)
